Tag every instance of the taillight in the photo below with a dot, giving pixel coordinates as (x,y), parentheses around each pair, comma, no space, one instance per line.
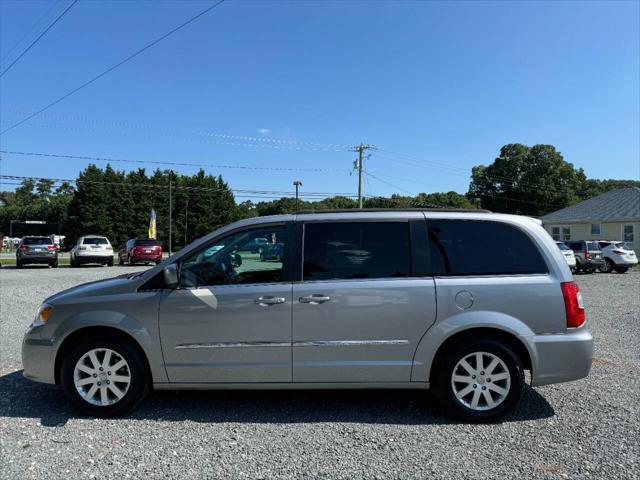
(573,305)
(51,247)
(24,248)
(587,254)
(619,252)
(109,247)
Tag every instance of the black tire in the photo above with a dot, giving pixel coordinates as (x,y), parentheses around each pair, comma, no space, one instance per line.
(18,264)
(54,264)
(608,266)
(260,250)
(73,263)
(590,270)
(444,369)
(622,269)
(110,262)
(130,261)
(262,257)
(158,262)
(120,262)
(140,378)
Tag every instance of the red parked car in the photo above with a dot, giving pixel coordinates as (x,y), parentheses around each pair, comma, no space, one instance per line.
(140,250)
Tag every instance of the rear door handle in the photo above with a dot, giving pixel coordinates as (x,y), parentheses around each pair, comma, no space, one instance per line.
(268,300)
(315,298)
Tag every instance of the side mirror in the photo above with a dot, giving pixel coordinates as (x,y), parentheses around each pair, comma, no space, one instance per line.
(170,273)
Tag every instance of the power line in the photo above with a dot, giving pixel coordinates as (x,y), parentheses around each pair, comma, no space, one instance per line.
(110,69)
(182,164)
(282,143)
(177,187)
(31,29)
(38,38)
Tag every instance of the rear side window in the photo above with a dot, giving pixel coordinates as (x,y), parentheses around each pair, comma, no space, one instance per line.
(95,241)
(146,243)
(356,250)
(562,246)
(37,241)
(593,246)
(472,247)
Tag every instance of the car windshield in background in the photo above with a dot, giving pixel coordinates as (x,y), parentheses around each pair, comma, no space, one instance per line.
(622,245)
(562,246)
(593,246)
(36,241)
(147,243)
(95,241)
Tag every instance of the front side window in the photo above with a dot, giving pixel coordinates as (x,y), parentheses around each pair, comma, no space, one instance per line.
(472,247)
(628,233)
(357,250)
(249,256)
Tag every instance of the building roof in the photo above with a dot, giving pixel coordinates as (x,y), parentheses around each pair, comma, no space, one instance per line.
(622,204)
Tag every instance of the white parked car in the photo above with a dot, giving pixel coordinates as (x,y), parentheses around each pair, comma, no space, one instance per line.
(618,256)
(92,249)
(568,255)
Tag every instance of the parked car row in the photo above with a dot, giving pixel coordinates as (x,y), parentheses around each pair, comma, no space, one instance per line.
(88,249)
(590,255)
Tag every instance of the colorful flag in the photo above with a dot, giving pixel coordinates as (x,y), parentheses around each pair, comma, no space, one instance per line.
(152,224)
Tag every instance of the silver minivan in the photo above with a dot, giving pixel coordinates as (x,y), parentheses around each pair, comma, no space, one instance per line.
(359,299)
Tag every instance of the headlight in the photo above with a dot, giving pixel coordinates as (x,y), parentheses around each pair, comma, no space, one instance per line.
(42,315)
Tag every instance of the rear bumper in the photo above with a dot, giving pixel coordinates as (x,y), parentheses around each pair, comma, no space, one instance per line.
(625,262)
(146,258)
(44,258)
(561,357)
(93,258)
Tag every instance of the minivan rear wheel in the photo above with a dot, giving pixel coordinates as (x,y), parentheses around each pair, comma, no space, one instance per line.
(104,377)
(479,380)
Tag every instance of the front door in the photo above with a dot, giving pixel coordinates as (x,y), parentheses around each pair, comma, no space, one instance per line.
(361,308)
(230,319)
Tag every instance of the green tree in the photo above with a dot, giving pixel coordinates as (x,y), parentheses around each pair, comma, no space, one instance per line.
(526,180)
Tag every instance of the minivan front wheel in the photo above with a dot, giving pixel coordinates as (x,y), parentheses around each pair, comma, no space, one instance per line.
(104,378)
(479,380)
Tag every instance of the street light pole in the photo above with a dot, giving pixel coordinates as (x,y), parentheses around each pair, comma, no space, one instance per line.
(297,184)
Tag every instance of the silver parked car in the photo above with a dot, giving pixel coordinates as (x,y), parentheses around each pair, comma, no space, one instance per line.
(360,299)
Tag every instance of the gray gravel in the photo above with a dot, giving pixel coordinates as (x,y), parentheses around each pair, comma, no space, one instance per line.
(585,429)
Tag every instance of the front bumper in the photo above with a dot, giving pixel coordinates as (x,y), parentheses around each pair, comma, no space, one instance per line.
(561,357)
(38,359)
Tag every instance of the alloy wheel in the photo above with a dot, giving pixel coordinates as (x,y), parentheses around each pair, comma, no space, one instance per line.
(102,377)
(481,381)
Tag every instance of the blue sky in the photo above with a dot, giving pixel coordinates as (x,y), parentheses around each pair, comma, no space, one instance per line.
(437,86)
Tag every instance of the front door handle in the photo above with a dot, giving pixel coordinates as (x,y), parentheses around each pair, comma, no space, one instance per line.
(314,299)
(268,300)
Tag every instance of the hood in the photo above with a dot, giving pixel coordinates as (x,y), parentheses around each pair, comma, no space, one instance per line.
(121,284)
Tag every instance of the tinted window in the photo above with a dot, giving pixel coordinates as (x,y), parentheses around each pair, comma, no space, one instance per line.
(356,250)
(146,243)
(592,246)
(576,246)
(562,246)
(228,262)
(37,241)
(95,241)
(471,247)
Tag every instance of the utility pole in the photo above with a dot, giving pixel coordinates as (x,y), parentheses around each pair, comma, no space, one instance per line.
(358,165)
(186,220)
(297,184)
(170,205)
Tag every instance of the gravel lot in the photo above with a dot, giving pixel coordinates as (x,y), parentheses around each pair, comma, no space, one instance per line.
(584,429)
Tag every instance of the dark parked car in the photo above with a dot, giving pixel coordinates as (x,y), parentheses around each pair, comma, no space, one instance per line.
(272,251)
(36,250)
(140,250)
(257,245)
(588,255)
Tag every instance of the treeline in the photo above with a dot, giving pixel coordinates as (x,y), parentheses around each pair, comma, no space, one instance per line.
(524,180)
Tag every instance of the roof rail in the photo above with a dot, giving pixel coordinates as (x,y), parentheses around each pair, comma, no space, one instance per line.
(352,210)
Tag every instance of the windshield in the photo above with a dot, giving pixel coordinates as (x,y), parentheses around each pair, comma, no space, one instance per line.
(95,241)
(36,241)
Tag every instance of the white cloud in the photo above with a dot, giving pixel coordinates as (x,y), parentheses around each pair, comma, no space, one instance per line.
(264,131)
